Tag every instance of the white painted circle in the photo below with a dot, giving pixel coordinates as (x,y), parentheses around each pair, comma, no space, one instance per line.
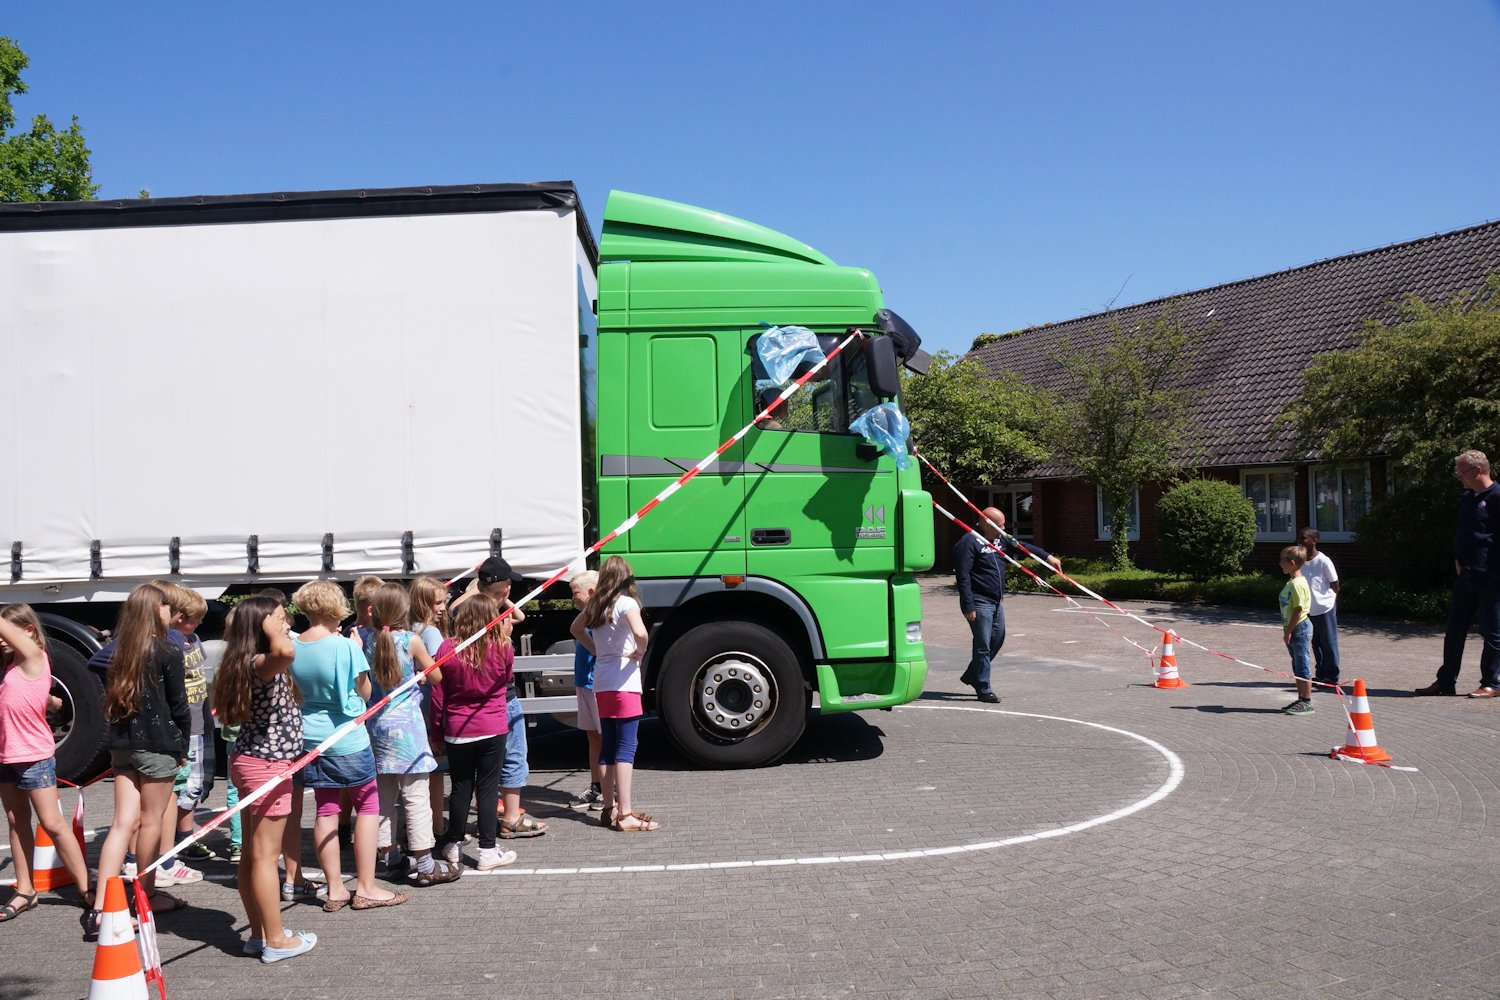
(1174,778)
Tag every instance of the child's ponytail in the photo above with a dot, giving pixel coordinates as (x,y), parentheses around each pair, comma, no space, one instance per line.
(389,607)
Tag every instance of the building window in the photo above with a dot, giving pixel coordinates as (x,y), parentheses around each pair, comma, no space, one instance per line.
(1133,533)
(1016,502)
(1340,498)
(1272,491)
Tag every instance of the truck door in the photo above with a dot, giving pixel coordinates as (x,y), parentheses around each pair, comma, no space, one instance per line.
(684,401)
(820,509)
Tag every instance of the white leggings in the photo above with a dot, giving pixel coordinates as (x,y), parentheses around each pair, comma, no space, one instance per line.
(411,791)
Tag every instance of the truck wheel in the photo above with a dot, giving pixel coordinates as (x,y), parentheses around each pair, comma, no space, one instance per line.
(731,694)
(78,726)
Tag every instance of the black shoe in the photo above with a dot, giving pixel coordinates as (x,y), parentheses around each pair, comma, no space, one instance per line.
(988,697)
(967,679)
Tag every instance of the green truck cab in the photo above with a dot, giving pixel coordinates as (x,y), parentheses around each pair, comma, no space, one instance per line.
(785,569)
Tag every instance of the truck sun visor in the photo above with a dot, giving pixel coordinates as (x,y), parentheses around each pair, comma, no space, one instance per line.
(784,349)
(908,342)
(886,427)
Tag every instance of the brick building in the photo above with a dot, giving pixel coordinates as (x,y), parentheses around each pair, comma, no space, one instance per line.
(1258,336)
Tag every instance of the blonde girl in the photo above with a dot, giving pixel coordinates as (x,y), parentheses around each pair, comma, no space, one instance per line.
(254,691)
(429,619)
(403,758)
(146,706)
(610,626)
(28,769)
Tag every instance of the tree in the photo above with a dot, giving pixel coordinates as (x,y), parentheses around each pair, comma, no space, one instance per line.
(974,426)
(1205,528)
(42,164)
(1421,390)
(1125,422)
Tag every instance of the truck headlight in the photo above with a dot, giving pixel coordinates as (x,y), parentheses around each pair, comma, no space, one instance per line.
(913,631)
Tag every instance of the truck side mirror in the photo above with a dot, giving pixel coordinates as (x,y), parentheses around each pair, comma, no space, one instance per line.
(880,362)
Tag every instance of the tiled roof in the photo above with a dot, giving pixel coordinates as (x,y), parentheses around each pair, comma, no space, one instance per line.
(1268,330)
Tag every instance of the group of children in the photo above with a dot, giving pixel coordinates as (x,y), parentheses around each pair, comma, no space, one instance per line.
(1309,625)
(278,694)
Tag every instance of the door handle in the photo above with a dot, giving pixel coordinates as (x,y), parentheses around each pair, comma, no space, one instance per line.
(770,536)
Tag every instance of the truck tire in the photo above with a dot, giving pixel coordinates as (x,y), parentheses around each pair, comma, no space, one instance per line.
(732,694)
(78,727)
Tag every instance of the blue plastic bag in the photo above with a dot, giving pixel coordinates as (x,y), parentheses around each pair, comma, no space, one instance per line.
(886,427)
(783,349)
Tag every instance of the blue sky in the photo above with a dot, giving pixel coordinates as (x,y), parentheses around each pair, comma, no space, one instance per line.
(997,165)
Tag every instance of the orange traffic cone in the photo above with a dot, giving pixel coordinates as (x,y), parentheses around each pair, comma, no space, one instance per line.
(117,963)
(1359,744)
(1166,667)
(47,871)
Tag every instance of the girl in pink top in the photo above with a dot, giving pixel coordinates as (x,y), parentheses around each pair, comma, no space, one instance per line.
(611,628)
(28,770)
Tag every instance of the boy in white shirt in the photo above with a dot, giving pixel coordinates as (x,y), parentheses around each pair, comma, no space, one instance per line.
(1323,580)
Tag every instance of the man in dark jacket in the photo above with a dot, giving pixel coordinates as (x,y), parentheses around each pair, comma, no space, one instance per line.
(980,573)
(1476,592)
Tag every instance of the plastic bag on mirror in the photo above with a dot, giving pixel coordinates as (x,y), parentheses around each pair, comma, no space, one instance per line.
(886,427)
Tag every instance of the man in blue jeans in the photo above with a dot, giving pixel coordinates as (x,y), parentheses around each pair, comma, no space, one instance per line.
(1475,592)
(980,574)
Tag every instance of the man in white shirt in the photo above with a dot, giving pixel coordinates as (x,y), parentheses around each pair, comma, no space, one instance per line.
(1323,581)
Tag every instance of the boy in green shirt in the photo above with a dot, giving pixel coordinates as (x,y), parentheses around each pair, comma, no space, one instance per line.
(1296,627)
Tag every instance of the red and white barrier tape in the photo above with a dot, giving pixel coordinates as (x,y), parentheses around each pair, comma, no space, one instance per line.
(574,565)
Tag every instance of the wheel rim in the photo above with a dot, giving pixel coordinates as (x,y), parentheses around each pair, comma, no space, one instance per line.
(734,696)
(61,720)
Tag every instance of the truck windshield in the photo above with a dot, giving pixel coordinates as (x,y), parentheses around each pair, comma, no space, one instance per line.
(827,403)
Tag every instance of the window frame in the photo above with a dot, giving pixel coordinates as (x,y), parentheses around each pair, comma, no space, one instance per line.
(1267,471)
(1101,529)
(1341,534)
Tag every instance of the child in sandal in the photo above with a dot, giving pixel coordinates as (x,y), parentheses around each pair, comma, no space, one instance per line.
(334,678)
(611,627)
(28,769)
(403,756)
(254,693)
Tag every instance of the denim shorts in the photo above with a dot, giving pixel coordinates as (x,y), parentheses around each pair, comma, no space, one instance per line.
(1301,650)
(30,775)
(349,771)
(514,771)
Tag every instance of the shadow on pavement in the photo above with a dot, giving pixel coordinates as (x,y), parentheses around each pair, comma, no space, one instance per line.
(1225,710)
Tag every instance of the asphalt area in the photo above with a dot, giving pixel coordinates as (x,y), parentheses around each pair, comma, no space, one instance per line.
(1090,836)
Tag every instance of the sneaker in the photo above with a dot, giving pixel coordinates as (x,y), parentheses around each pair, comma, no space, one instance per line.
(177,874)
(197,852)
(303,892)
(305,942)
(449,853)
(234,854)
(395,863)
(592,799)
(491,858)
(1301,706)
(127,870)
(253,947)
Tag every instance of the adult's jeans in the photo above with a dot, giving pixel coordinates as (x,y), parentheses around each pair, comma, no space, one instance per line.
(1475,596)
(1325,646)
(988,629)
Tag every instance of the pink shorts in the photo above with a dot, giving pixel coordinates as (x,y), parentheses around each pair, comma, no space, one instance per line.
(366,799)
(618,704)
(249,773)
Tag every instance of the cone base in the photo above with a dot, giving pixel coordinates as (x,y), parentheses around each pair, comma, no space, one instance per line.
(47,881)
(1367,755)
(1171,682)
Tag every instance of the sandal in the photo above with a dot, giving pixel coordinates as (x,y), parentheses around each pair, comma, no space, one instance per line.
(90,920)
(523,827)
(644,823)
(607,818)
(442,871)
(161,902)
(366,903)
(18,904)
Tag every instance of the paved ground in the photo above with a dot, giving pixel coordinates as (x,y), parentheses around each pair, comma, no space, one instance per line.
(943,851)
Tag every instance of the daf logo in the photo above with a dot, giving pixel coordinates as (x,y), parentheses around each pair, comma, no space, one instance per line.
(874,514)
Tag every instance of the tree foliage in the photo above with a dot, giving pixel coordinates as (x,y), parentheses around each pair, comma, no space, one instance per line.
(974,426)
(1421,390)
(43,164)
(1205,528)
(1125,420)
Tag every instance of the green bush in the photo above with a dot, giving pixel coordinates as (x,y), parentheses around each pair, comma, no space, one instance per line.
(1204,529)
